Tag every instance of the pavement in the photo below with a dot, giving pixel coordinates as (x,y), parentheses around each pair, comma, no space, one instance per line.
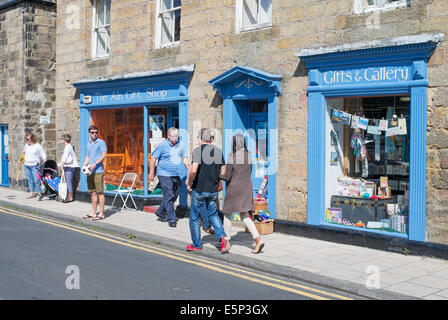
(371,273)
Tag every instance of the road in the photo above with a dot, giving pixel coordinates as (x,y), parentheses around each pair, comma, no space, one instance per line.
(45,258)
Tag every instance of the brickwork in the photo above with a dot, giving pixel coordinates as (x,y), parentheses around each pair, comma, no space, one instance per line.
(209,41)
(27,51)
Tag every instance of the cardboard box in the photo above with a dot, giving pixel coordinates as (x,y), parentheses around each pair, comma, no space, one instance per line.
(263,228)
(260,204)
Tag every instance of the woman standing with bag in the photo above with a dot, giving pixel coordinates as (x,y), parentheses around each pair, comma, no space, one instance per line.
(34,154)
(238,196)
(68,163)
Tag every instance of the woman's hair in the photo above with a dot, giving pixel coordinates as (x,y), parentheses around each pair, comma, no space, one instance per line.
(238,142)
(66,137)
(32,137)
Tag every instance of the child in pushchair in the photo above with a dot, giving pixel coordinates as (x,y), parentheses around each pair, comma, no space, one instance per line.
(49,180)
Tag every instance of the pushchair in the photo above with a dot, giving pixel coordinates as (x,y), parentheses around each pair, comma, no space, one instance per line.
(49,180)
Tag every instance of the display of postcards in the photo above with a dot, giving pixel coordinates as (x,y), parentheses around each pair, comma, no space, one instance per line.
(340,116)
(394,131)
(402,126)
(373,130)
(334,137)
(392,208)
(333,215)
(383,125)
(363,123)
(355,122)
(399,223)
(374,224)
(334,160)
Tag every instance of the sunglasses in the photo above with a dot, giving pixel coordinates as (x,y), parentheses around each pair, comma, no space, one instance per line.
(94,132)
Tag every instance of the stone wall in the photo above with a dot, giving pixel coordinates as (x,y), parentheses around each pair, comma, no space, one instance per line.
(27,50)
(209,41)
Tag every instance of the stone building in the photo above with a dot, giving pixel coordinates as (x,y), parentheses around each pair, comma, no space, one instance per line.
(27,92)
(292,71)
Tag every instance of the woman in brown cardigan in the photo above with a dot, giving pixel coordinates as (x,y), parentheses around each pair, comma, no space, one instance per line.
(238,196)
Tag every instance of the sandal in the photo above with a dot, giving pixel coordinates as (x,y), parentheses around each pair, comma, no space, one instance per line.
(209,230)
(87,216)
(98,218)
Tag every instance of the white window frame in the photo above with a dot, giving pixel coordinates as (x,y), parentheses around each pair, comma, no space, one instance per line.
(359,8)
(159,14)
(95,29)
(239,19)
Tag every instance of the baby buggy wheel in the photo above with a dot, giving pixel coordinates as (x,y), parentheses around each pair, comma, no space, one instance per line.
(57,198)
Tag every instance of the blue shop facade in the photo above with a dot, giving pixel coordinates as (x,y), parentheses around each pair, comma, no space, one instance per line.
(133,113)
(367,127)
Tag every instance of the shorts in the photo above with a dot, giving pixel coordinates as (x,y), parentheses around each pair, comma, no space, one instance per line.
(95,183)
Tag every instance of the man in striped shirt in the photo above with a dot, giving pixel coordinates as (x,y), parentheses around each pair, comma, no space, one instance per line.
(170,156)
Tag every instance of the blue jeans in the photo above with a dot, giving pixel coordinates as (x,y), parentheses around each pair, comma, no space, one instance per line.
(170,191)
(33,180)
(204,217)
(198,200)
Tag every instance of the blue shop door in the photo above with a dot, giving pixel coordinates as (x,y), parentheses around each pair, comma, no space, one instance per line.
(260,149)
(4,168)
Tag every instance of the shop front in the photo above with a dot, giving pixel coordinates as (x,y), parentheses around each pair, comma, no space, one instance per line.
(133,113)
(250,108)
(4,151)
(367,136)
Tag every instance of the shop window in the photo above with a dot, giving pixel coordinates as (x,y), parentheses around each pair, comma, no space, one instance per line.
(366,6)
(101,28)
(253,14)
(122,131)
(168,23)
(367,162)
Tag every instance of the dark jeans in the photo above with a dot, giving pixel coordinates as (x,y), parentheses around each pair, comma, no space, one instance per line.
(170,191)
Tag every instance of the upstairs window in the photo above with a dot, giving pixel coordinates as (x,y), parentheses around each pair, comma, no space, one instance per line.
(168,23)
(367,6)
(101,28)
(253,14)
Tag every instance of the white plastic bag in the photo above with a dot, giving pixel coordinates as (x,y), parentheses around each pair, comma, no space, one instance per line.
(62,190)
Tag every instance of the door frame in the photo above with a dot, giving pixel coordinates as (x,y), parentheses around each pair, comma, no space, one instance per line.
(4,178)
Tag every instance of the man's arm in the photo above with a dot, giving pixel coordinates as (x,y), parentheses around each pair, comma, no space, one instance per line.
(101,159)
(152,167)
(186,163)
(192,174)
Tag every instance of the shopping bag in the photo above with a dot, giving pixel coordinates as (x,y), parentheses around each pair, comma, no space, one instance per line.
(62,187)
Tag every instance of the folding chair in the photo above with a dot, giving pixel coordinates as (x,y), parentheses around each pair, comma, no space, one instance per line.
(128,177)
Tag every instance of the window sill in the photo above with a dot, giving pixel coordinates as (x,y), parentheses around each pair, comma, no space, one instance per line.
(170,45)
(373,8)
(255,27)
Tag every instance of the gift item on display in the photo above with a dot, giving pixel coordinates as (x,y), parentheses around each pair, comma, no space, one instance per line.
(370,164)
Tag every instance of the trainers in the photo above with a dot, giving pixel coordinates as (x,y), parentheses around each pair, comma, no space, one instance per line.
(225,245)
(191,248)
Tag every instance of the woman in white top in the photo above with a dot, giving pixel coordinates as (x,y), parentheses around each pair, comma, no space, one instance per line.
(68,163)
(34,154)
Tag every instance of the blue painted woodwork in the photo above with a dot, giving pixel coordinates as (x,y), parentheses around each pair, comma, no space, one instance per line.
(392,70)
(4,153)
(161,89)
(238,86)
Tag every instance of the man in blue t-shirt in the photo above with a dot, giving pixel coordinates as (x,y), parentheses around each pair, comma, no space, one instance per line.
(96,153)
(170,156)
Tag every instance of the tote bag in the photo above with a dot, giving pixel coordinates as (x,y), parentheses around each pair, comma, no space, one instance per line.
(62,187)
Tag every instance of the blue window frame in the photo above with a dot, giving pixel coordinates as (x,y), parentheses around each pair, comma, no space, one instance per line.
(370,72)
(153,90)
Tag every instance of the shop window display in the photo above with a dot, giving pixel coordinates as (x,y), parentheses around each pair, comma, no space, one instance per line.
(122,131)
(367,162)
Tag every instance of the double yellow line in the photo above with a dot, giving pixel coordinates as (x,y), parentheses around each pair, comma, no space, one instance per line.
(299,289)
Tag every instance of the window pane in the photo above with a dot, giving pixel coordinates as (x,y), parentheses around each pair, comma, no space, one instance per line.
(265,11)
(107,14)
(122,131)
(165,5)
(250,12)
(99,13)
(167,27)
(176,3)
(177,25)
(102,42)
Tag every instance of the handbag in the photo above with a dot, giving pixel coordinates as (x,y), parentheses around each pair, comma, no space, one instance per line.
(22,158)
(62,190)
(220,186)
